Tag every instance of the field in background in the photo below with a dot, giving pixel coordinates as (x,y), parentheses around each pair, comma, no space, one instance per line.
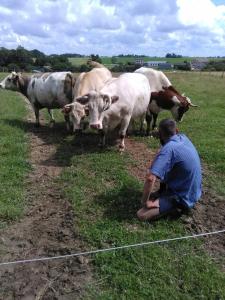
(107,60)
(77,61)
(105,198)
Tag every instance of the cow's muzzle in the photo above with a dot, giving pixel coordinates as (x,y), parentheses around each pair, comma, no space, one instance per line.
(95,126)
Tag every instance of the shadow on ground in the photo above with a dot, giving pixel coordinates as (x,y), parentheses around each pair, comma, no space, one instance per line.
(120,204)
(67,144)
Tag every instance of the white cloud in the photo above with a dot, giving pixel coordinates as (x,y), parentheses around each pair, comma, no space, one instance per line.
(110,27)
(203,13)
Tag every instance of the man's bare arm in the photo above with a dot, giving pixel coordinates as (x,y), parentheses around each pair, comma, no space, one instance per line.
(148,187)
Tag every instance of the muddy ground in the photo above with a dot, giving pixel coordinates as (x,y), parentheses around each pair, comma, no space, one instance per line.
(47,228)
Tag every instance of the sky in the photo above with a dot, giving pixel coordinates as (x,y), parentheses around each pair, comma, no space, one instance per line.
(112,27)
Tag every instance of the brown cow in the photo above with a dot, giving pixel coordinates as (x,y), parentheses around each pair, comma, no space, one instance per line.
(163,96)
(169,99)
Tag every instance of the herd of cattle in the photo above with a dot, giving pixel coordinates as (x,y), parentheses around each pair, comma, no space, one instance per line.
(108,101)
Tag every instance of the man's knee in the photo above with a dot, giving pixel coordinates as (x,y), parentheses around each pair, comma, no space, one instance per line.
(141,214)
(147,214)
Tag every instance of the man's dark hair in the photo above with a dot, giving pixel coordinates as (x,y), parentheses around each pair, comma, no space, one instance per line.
(167,127)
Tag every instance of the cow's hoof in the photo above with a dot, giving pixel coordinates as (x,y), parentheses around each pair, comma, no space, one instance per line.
(121,148)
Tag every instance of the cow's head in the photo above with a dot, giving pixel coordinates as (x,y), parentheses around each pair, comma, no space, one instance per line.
(181,106)
(11,82)
(97,103)
(76,111)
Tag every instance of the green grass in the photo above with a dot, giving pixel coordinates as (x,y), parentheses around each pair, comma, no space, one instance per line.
(105,200)
(13,156)
(78,60)
(106,197)
(107,60)
(205,125)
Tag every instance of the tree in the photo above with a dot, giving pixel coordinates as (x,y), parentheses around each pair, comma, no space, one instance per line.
(173,55)
(96,58)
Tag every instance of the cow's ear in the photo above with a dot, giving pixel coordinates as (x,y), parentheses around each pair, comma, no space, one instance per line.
(106,98)
(83,99)
(66,109)
(16,78)
(114,98)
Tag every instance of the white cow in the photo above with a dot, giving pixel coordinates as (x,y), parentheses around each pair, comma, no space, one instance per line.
(120,100)
(157,79)
(87,81)
(44,90)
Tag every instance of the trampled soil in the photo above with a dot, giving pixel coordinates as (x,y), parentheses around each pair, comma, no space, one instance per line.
(47,229)
(209,213)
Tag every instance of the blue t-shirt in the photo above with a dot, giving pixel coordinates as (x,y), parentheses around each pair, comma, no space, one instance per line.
(178,165)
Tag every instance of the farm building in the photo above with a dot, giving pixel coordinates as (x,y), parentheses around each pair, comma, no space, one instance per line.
(139,61)
(163,65)
(199,64)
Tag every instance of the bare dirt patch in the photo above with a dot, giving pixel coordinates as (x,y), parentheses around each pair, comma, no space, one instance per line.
(47,229)
(209,213)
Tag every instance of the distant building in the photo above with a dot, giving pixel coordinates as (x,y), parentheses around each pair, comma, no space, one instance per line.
(139,61)
(199,63)
(163,65)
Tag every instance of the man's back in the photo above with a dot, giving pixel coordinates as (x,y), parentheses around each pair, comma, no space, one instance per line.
(178,165)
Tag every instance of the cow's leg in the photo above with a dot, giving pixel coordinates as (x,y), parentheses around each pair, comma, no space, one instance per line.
(155,116)
(123,129)
(67,120)
(148,118)
(102,135)
(141,130)
(36,111)
(130,129)
(52,119)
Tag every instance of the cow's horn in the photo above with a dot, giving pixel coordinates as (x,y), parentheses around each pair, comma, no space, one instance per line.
(193,105)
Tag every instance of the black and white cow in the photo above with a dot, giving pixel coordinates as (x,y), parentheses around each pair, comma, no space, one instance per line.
(44,90)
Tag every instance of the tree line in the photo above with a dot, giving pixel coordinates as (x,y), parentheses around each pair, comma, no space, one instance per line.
(21,59)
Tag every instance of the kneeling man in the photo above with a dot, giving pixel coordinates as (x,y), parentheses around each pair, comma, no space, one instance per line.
(177,165)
